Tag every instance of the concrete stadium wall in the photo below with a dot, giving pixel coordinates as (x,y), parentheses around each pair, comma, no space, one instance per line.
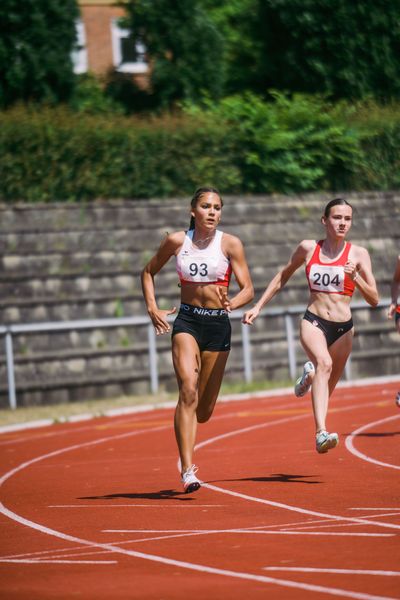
(76,261)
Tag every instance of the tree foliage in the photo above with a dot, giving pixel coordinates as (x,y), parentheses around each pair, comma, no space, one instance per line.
(239,25)
(36,40)
(345,48)
(184,48)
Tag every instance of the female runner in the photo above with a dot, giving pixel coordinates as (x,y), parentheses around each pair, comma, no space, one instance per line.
(394,308)
(334,268)
(201,334)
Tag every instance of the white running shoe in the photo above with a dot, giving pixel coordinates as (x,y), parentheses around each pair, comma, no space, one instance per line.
(190,481)
(326,441)
(301,387)
(398,399)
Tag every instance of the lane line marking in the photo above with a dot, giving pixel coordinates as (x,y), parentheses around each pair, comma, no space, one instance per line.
(350,443)
(236,531)
(193,566)
(340,524)
(298,509)
(373,508)
(47,561)
(340,571)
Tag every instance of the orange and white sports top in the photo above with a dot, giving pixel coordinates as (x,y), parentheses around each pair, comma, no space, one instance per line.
(329,278)
(209,265)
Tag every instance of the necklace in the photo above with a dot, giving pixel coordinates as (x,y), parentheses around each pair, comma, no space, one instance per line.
(201,241)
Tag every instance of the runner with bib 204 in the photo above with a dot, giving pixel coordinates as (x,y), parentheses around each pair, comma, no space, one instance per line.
(334,269)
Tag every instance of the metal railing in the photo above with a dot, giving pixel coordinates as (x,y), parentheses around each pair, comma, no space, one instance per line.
(289,313)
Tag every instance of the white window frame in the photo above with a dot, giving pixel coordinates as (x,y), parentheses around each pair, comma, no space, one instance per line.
(117,34)
(79,54)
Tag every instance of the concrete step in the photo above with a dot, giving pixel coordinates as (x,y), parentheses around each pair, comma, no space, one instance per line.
(24,310)
(61,217)
(131,238)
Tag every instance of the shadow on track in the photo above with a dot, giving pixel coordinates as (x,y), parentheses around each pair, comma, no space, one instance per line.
(276,478)
(161,495)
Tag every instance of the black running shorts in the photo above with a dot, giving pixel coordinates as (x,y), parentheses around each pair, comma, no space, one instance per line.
(210,327)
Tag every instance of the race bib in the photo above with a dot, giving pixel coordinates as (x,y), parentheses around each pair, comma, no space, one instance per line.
(325,278)
(198,269)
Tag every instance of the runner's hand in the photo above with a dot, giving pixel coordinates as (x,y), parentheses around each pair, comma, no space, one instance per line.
(159,320)
(223,298)
(351,269)
(391,311)
(250,316)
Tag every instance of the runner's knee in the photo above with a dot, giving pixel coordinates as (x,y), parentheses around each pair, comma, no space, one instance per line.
(188,395)
(324,365)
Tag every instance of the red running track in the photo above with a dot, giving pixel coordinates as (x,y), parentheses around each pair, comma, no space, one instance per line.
(95,510)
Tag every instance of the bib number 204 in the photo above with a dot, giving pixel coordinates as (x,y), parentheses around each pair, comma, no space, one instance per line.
(324,279)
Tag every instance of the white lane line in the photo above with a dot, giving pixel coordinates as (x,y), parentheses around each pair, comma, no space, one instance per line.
(279,504)
(79,551)
(339,571)
(218,531)
(373,508)
(207,485)
(305,511)
(193,566)
(350,443)
(339,524)
(46,561)
(119,436)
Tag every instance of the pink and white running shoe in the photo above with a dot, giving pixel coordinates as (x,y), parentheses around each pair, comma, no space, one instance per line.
(189,480)
(303,383)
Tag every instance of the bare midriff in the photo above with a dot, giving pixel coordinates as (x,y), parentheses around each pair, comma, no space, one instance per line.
(333,307)
(201,294)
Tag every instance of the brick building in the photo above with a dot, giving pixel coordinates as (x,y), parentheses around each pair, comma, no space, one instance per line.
(104,45)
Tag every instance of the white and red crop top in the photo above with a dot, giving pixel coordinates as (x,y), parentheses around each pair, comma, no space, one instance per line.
(209,265)
(329,278)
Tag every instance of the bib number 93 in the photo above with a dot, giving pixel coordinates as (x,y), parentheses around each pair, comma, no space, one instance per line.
(198,269)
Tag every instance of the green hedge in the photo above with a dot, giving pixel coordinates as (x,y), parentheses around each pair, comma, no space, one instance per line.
(241,145)
(54,155)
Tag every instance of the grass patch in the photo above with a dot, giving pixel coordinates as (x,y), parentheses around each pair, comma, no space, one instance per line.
(97,408)
(241,387)
(61,412)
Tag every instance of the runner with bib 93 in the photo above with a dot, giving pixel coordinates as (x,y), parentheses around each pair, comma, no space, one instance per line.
(334,268)
(201,335)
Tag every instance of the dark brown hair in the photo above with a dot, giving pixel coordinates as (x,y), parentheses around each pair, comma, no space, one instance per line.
(196,197)
(333,203)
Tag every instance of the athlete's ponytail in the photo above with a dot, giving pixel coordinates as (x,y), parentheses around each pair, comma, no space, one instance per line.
(196,197)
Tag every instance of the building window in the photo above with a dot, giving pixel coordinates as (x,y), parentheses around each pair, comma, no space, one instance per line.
(79,54)
(129,55)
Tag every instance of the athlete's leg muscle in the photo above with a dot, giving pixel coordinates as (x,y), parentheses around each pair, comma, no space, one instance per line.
(314,343)
(340,352)
(186,360)
(211,374)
